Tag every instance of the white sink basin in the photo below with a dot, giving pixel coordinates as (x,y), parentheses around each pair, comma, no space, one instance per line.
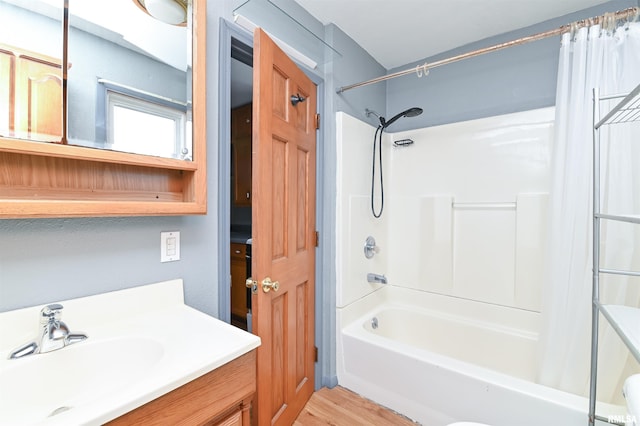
(40,386)
(143,342)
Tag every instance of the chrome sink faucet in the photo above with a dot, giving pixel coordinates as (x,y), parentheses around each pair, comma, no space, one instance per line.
(53,334)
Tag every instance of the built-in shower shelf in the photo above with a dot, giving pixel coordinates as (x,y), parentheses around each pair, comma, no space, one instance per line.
(625,320)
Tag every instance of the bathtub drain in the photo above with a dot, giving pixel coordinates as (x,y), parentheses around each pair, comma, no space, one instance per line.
(374,322)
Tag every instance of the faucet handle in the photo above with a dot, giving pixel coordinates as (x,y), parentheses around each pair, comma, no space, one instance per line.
(51,312)
(370,247)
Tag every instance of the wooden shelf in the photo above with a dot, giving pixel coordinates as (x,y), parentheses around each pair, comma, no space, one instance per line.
(46,149)
(37,182)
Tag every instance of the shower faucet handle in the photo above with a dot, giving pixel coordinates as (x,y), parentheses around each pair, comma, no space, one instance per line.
(370,247)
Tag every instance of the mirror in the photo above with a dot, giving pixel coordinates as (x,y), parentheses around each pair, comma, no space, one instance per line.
(31,70)
(128,75)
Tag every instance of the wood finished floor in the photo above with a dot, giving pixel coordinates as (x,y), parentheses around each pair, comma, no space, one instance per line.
(341,407)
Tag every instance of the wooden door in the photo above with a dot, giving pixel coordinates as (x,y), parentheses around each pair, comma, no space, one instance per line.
(38,103)
(284,158)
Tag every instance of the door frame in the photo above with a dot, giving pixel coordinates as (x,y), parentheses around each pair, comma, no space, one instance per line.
(229,31)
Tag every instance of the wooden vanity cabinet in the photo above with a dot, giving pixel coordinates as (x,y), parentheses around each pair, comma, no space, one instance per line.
(238,279)
(222,397)
(241,154)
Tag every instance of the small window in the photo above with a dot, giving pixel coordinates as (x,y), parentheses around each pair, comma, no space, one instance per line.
(143,127)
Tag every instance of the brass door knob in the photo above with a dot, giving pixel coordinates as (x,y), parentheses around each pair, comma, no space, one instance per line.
(267,285)
(252,284)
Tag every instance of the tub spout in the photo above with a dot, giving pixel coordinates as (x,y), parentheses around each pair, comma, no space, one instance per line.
(376,278)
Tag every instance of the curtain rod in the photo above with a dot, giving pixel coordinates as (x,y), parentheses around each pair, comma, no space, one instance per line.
(420,69)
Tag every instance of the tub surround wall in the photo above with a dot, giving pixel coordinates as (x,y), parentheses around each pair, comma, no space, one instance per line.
(355,221)
(465,209)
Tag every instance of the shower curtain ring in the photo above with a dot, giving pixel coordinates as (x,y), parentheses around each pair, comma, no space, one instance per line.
(422,70)
(574,31)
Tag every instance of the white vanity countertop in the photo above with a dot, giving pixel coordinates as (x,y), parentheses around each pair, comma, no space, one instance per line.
(170,343)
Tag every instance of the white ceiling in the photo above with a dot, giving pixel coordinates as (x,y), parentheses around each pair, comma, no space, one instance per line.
(398,32)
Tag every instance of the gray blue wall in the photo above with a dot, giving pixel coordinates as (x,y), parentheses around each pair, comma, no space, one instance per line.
(43,260)
(515,79)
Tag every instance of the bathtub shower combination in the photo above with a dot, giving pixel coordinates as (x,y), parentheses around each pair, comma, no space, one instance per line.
(430,358)
(453,334)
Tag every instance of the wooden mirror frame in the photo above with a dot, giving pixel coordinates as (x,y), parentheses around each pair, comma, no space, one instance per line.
(39,179)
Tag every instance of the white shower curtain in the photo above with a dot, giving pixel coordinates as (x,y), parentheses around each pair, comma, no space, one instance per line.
(609,60)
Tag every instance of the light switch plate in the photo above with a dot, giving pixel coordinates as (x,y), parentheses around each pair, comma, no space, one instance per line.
(169,246)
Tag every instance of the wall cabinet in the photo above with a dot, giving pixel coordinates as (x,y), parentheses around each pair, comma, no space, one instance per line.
(238,279)
(241,154)
(59,180)
(220,398)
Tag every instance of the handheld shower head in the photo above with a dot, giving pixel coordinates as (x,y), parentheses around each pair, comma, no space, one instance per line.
(411,112)
(377,140)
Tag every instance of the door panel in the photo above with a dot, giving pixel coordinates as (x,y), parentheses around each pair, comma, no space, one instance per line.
(284,150)
(30,95)
(38,99)
(302,205)
(301,338)
(278,357)
(279,195)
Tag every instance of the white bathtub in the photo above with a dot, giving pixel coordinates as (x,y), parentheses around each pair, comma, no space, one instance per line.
(439,359)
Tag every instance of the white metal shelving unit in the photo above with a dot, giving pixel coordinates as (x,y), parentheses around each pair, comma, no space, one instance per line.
(625,320)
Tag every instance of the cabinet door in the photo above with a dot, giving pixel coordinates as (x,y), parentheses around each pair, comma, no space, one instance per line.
(241,147)
(38,99)
(242,168)
(241,121)
(238,278)
(234,419)
(221,397)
